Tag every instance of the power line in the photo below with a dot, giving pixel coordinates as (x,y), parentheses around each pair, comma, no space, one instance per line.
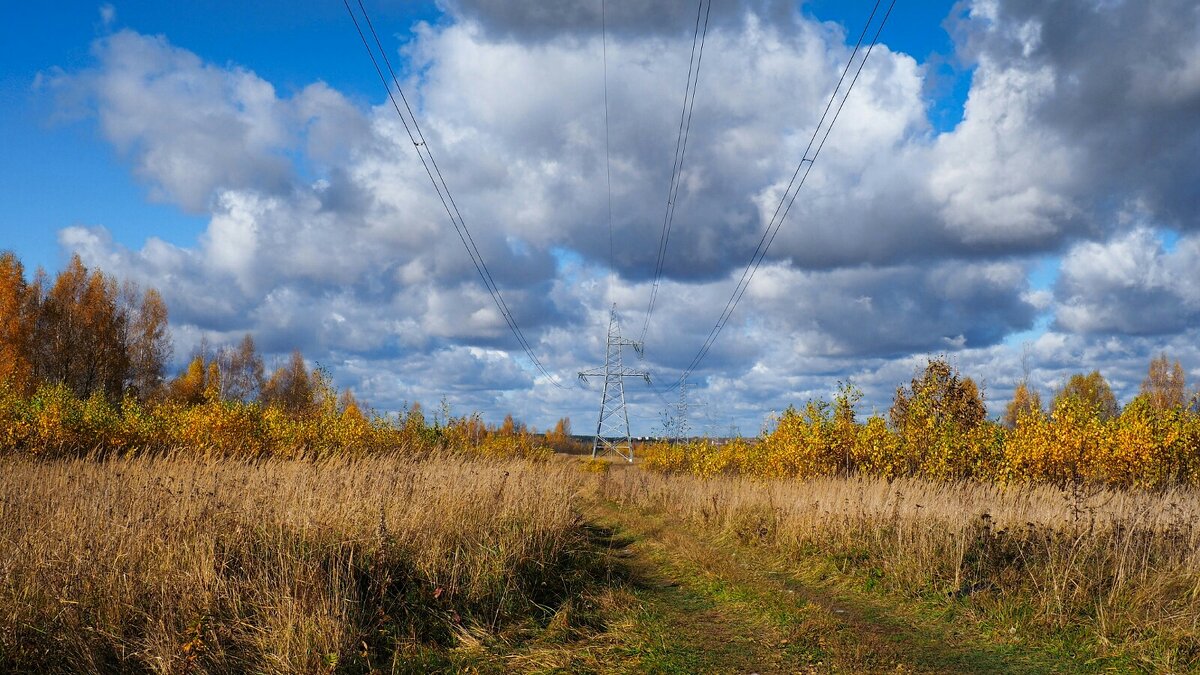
(789,195)
(440,186)
(685,127)
(607,155)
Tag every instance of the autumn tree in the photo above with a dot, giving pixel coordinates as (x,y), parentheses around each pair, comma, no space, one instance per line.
(348,402)
(58,332)
(17,324)
(561,430)
(1025,402)
(291,387)
(1092,390)
(937,418)
(414,421)
(1165,384)
(189,387)
(81,332)
(939,395)
(241,371)
(559,437)
(508,427)
(351,410)
(149,346)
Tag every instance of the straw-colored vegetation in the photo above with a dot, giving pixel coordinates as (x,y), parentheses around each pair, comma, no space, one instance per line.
(1092,572)
(231,520)
(177,564)
(182,564)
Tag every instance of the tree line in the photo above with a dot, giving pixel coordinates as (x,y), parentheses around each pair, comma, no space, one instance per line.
(83,368)
(938,428)
(1163,388)
(83,330)
(97,336)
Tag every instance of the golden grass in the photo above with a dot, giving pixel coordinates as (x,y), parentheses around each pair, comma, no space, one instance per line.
(1118,571)
(179,564)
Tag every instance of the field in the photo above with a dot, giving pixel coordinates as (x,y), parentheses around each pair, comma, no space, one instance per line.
(178,565)
(390,564)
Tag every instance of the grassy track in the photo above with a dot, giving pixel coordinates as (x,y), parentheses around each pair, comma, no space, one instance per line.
(706,606)
(677,601)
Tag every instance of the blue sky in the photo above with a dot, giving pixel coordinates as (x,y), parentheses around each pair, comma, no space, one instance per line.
(969,204)
(63,173)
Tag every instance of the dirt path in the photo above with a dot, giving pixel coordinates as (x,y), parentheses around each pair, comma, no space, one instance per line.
(721,607)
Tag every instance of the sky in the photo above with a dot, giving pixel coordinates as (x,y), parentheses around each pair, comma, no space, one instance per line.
(1012,184)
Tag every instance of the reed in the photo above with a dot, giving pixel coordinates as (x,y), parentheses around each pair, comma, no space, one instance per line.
(179,564)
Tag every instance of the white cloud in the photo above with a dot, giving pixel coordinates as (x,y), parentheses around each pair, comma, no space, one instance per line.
(1130,285)
(903,243)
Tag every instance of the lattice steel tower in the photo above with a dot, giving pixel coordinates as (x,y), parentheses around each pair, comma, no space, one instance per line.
(612,429)
(676,425)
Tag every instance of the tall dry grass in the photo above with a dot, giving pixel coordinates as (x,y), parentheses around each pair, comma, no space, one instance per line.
(1117,570)
(177,564)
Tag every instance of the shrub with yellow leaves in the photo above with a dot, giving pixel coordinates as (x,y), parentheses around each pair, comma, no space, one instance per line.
(53,421)
(939,430)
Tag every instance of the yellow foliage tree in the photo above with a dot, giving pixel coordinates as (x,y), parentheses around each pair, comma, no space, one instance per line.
(936,418)
(189,387)
(1093,391)
(1165,384)
(1025,401)
(291,387)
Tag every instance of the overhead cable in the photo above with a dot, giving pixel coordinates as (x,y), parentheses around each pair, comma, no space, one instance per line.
(793,188)
(440,186)
(607,153)
(685,126)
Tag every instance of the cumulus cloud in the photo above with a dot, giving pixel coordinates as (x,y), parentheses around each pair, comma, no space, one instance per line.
(1130,285)
(1119,84)
(192,129)
(532,20)
(323,231)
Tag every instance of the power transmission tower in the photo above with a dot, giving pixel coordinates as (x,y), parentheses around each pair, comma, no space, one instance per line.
(675,419)
(684,406)
(612,429)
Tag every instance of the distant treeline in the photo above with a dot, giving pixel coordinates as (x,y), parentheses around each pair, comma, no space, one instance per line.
(83,363)
(938,428)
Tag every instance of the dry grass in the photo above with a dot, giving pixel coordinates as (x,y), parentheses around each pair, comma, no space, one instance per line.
(181,565)
(1113,572)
